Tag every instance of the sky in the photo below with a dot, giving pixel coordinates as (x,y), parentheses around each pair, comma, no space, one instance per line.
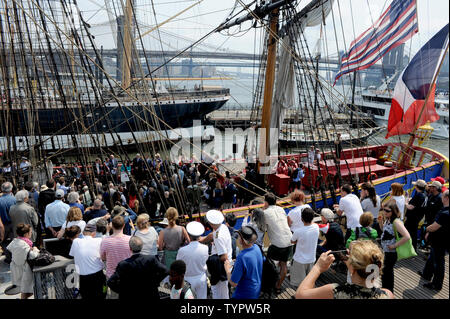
(354,17)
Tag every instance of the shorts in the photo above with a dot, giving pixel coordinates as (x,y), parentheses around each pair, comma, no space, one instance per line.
(298,272)
(279,254)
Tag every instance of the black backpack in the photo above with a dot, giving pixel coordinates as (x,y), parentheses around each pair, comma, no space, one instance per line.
(270,275)
(365,234)
(43,259)
(186,287)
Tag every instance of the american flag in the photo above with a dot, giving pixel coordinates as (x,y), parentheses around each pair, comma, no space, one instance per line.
(395,26)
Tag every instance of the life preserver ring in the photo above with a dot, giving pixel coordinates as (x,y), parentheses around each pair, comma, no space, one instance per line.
(372,176)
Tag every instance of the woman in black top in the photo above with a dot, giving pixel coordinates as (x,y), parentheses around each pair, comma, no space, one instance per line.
(364,263)
(415,210)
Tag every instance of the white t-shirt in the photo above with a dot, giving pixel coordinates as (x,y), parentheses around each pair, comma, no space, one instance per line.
(295,215)
(311,156)
(150,240)
(367,206)
(277,226)
(86,253)
(222,242)
(351,206)
(306,238)
(195,256)
(79,223)
(400,200)
(176,293)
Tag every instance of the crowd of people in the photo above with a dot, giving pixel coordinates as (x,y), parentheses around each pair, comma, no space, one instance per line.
(128,238)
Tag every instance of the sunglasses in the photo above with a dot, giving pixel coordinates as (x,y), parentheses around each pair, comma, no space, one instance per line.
(386,210)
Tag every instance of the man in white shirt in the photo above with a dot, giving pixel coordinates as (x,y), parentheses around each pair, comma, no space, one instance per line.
(317,156)
(305,252)
(311,155)
(195,256)
(295,215)
(24,164)
(351,206)
(221,246)
(279,235)
(88,264)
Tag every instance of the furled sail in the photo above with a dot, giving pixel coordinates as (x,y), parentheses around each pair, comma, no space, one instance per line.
(312,15)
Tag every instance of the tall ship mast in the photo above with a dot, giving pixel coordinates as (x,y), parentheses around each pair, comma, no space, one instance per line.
(57,93)
(289,79)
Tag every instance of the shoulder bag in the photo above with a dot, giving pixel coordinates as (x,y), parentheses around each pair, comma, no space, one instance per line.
(406,250)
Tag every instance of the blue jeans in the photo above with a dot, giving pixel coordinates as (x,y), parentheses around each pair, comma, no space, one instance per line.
(435,266)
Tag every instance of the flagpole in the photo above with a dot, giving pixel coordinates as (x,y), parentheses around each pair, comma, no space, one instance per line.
(417,16)
(405,157)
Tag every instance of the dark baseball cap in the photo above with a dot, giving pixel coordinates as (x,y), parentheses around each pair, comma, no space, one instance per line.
(90,228)
(247,233)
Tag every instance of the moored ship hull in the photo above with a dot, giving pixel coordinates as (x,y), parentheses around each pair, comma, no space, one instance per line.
(111,118)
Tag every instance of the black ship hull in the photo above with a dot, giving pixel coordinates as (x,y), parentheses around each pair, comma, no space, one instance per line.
(106,119)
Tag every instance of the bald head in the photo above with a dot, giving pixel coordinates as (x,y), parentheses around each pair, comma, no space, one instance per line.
(136,244)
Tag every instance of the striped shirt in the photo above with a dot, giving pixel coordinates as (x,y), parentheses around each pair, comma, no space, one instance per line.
(113,250)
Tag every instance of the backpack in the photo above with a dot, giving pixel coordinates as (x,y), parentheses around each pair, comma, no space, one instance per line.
(234,235)
(270,275)
(43,259)
(365,235)
(185,289)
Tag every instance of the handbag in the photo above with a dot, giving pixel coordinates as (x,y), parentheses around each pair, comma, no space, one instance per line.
(406,250)
(43,259)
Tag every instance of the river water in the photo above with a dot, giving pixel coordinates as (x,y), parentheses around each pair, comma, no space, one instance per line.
(241,97)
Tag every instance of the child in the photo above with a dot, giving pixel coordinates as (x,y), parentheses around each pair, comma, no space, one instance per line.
(364,232)
(305,252)
(180,289)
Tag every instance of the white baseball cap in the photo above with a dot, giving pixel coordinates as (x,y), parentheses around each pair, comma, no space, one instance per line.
(195,229)
(59,194)
(215,217)
(165,221)
(328,214)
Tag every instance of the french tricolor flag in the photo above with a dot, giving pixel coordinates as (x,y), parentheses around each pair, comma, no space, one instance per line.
(413,85)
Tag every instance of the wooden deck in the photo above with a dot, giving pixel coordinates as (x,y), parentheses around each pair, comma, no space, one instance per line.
(407,285)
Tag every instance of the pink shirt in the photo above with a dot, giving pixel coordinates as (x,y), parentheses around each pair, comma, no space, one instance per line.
(114,249)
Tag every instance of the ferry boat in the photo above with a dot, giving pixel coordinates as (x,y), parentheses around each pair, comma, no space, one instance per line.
(377,102)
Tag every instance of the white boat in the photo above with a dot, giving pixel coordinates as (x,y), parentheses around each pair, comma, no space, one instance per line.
(377,102)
